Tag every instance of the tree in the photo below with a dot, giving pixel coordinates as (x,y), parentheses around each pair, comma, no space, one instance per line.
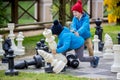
(113,9)
(2,14)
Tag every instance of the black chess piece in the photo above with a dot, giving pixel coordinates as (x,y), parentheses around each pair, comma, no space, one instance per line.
(43,42)
(48,68)
(11,71)
(6,46)
(99,32)
(36,61)
(72,61)
(118,37)
(42,46)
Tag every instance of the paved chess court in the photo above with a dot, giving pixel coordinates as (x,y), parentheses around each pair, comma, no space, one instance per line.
(102,72)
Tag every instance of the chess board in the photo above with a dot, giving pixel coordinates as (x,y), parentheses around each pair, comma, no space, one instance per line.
(102,72)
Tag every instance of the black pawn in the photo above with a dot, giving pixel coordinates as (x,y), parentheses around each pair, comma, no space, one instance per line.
(6,46)
(11,71)
(99,32)
(118,37)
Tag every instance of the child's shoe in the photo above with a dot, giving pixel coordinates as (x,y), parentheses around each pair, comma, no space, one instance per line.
(94,62)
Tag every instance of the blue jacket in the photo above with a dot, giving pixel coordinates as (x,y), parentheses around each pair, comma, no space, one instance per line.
(81,26)
(68,40)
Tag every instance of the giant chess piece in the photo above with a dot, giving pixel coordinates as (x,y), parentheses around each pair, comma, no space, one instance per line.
(36,61)
(108,46)
(118,76)
(99,32)
(96,49)
(116,65)
(58,65)
(1,50)
(11,27)
(52,44)
(20,49)
(6,46)
(50,39)
(73,61)
(11,71)
(118,37)
(58,57)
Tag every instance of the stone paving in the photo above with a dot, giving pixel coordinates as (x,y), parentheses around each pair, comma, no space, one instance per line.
(102,72)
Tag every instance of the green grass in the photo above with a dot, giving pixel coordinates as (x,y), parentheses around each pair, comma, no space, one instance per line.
(30,43)
(38,76)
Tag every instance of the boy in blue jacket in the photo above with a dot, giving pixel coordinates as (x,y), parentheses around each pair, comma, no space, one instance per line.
(80,25)
(69,41)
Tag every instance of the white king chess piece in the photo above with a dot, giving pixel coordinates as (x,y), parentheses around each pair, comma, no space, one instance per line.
(1,50)
(12,35)
(20,48)
(96,49)
(59,60)
(108,46)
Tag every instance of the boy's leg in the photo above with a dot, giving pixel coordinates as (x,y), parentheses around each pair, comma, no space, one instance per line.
(79,54)
(89,46)
(92,59)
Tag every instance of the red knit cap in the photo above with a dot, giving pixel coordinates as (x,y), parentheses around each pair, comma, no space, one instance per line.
(77,7)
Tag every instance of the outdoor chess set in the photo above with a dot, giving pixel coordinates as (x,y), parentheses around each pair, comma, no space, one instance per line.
(109,65)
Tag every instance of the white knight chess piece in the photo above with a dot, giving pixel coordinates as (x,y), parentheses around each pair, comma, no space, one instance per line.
(108,46)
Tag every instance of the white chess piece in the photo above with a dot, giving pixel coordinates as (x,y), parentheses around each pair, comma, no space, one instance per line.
(118,76)
(58,65)
(50,39)
(1,50)
(108,47)
(116,65)
(20,49)
(96,41)
(12,35)
(52,45)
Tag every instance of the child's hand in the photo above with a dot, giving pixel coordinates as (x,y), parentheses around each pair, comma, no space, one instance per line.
(54,52)
(77,34)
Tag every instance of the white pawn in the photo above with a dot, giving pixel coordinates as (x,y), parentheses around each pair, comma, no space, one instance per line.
(116,65)
(57,64)
(96,41)
(1,50)
(20,49)
(108,47)
(12,35)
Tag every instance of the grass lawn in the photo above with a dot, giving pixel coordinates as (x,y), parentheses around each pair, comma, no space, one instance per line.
(39,76)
